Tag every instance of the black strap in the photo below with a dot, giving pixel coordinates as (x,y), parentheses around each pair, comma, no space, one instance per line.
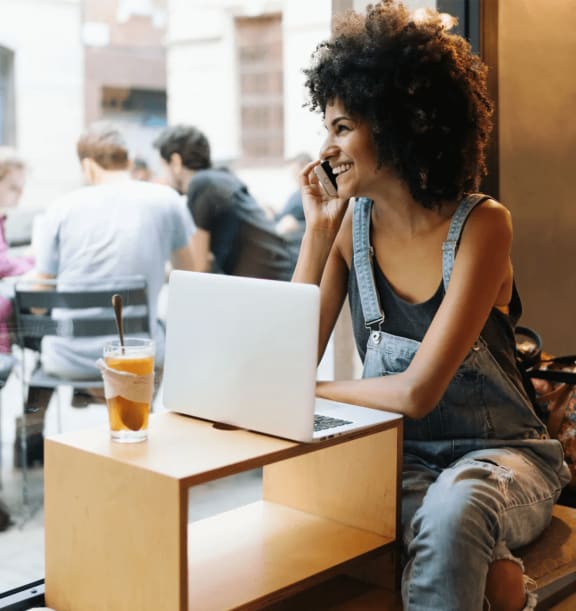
(554,371)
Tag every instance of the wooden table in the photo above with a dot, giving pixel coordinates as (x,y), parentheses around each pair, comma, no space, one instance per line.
(117,537)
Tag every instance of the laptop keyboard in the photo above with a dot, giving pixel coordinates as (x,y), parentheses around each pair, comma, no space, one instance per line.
(322,423)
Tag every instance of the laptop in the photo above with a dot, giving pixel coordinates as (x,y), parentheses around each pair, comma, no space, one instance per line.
(242,352)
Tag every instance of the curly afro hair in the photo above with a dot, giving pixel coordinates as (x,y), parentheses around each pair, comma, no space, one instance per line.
(420,88)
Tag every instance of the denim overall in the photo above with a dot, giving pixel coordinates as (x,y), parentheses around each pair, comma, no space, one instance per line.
(480,474)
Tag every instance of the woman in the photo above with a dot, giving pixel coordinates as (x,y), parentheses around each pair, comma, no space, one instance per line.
(12,178)
(11,185)
(425,263)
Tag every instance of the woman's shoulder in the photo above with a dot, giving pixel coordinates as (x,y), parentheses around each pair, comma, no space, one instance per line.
(491,211)
(489,222)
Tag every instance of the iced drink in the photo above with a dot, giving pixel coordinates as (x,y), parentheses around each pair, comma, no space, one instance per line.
(128,374)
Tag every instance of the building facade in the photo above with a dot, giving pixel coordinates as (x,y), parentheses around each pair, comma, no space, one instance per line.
(235,71)
(41,91)
(67,63)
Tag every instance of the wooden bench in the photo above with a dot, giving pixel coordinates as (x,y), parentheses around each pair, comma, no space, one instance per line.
(550,561)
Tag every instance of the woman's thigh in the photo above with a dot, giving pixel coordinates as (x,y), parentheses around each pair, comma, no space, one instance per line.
(417,477)
(523,489)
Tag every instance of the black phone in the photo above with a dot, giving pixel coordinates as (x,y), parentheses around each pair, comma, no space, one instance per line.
(327,179)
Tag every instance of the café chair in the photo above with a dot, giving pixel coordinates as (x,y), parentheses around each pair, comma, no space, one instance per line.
(83,310)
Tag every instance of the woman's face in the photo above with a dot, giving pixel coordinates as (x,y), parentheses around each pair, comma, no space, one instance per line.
(11,187)
(351,152)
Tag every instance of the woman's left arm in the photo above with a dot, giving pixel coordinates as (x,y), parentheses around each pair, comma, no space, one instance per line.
(481,269)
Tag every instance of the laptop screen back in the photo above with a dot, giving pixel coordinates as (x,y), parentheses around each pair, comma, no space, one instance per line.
(242,351)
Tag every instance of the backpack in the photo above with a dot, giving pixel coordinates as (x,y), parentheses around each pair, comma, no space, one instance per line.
(551,383)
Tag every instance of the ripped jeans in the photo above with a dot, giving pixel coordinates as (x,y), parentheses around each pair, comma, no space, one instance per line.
(459,519)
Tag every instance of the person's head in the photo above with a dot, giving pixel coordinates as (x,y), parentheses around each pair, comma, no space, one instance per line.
(418,91)
(101,148)
(12,177)
(185,150)
(140,169)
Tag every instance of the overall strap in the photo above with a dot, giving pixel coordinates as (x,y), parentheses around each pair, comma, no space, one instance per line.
(450,246)
(363,264)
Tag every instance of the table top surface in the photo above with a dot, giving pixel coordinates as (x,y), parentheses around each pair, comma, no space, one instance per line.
(187,448)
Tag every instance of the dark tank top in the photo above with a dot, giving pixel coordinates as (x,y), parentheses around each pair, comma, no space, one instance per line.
(411,320)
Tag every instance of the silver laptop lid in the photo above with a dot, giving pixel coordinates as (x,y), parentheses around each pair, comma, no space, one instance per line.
(242,351)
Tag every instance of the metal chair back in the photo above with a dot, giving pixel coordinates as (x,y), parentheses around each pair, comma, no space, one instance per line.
(35,302)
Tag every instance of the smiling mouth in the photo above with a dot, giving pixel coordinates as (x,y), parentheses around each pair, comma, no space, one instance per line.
(341,169)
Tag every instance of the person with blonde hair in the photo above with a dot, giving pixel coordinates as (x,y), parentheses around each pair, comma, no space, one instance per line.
(12,180)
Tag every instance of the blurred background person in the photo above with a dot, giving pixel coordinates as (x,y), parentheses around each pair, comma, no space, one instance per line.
(140,169)
(102,233)
(233,233)
(12,180)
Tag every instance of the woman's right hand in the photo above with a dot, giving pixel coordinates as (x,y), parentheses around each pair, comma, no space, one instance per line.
(323,213)
(324,216)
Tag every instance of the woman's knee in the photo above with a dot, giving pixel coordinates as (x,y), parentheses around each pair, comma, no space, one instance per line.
(505,589)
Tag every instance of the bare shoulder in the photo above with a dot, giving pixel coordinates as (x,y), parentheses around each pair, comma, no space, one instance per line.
(489,219)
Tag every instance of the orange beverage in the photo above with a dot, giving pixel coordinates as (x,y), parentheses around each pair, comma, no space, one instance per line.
(129,397)
(126,415)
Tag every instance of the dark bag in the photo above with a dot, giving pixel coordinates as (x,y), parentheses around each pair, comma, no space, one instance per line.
(266,254)
(552,383)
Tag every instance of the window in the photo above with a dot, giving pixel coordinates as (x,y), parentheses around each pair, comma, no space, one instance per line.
(145,105)
(468,14)
(259,48)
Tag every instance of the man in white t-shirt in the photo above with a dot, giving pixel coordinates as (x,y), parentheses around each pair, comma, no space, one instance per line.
(112,228)
(103,232)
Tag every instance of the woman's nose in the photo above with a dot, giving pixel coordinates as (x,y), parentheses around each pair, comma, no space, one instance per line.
(328,149)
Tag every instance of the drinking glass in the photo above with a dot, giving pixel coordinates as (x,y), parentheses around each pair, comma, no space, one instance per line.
(128,373)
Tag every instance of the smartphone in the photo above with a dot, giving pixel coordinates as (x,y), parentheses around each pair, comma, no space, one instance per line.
(327,179)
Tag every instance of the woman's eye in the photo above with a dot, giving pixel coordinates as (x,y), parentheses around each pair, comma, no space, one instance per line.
(341,128)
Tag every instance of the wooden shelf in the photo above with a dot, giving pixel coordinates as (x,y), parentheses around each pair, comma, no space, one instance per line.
(257,552)
(117,536)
